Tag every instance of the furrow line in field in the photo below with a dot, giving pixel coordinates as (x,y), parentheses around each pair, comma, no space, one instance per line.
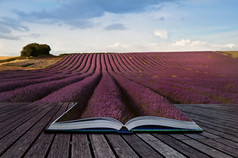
(64,65)
(11,85)
(107,96)
(37,91)
(124,67)
(133,60)
(119,66)
(144,100)
(73,62)
(120,57)
(28,73)
(126,61)
(74,92)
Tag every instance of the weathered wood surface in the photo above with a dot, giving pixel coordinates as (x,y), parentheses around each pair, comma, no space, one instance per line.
(22,135)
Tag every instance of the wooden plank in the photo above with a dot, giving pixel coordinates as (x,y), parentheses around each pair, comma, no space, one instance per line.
(26,133)
(179,136)
(80,146)
(209,135)
(161,147)
(28,107)
(219,133)
(214,142)
(217,114)
(220,139)
(180,146)
(219,127)
(213,114)
(122,149)
(214,132)
(220,146)
(227,142)
(222,107)
(43,142)
(221,122)
(205,149)
(11,124)
(6,107)
(60,147)
(100,146)
(140,147)
(61,144)
(210,142)
(205,108)
(214,125)
(4,104)
(211,107)
(195,136)
(12,112)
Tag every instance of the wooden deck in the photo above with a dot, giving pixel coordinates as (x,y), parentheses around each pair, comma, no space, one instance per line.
(22,135)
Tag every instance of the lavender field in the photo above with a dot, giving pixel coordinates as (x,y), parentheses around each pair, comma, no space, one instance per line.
(144,82)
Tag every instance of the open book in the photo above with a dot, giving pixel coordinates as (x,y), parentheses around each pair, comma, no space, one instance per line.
(68,122)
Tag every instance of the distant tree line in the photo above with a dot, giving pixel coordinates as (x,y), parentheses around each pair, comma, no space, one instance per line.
(35,49)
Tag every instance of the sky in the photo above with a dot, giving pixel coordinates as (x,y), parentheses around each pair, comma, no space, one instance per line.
(69,26)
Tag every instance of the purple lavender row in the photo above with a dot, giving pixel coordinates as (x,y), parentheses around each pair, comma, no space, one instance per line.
(175,94)
(74,60)
(79,91)
(22,74)
(206,89)
(190,97)
(140,63)
(15,74)
(11,85)
(216,95)
(146,102)
(80,62)
(84,65)
(107,101)
(136,63)
(103,63)
(222,84)
(59,63)
(37,91)
(126,61)
(110,58)
(81,67)
(76,92)
(42,74)
(61,66)
(127,67)
(119,65)
(32,76)
(88,65)
(149,64)
(39,78)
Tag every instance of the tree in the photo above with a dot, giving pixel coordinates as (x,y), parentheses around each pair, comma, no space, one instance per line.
(35,49)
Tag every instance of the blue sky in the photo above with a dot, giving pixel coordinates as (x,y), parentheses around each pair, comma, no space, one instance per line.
(118,25)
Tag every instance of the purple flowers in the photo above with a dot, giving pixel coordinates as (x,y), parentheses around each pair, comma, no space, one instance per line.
(150,81)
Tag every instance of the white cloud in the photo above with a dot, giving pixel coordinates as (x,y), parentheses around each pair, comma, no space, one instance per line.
(198,43)
(187,44)
(114,45)
(118,47)
(182,43)
(226,46)
(163,34)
